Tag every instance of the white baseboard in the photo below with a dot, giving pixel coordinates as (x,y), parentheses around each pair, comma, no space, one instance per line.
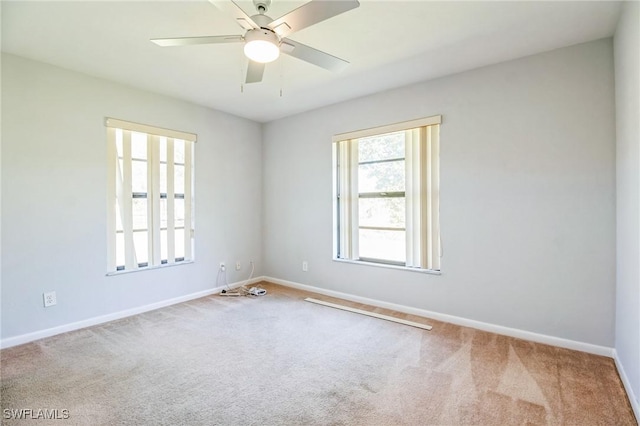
(633,398)
(498,329)
(521,334)
(30,337)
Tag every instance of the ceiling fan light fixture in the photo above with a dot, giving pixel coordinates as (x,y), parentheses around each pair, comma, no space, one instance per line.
(261,46)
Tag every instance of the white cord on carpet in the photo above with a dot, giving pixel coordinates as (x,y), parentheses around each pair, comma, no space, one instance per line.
(242,289)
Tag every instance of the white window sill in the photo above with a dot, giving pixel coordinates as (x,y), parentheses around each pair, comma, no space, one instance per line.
(388,266)
(149,268)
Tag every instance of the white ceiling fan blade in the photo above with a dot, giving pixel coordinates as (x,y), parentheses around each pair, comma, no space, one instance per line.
(255,70)
(310,13)
(236,12)
(313,56)
(186,41)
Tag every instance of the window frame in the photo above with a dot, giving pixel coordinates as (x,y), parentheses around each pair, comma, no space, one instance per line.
(120,193)
(423,168)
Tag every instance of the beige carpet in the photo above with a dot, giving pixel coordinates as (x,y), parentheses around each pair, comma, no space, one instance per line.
(277,360)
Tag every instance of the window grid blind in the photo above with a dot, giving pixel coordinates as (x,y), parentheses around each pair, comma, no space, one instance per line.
(132,250)
(421,193)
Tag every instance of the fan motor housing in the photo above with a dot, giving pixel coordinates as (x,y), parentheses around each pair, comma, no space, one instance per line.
(262,20)
(262,34)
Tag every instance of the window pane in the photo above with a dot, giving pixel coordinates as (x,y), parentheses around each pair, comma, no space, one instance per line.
(382,212)
(143,221)
(377,177)
(383,245)
(163,213)
(139,213)
(139,145)
(179,252)
(163,178)
(164,252)
(179,179)
(381,147)
(141,245)
(139,176)
(118,217)
(178,151)
(178,212)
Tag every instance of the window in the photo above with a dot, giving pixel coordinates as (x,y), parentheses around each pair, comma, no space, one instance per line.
(386,195)
(150,196)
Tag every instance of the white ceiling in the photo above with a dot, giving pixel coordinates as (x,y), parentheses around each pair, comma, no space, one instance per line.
(389,44)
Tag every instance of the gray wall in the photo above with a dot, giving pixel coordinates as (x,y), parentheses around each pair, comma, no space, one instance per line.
(627,66)
(54,196)
(528,207)
(527,195)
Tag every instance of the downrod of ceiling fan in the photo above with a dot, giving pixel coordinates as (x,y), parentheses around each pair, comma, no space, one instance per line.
(262,6)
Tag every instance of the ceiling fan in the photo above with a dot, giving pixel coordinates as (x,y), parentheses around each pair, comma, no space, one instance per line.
(266,38)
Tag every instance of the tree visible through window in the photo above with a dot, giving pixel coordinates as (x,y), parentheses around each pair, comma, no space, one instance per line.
(381,197)
(387,195)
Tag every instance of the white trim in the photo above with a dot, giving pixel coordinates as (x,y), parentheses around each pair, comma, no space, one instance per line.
(188,157)
(171,223)
(389,128)
(112,167)
(153,201)
(493,328)
(352,201)
(150,142)
(152,130)
(633,399)
(388,266)
(431,213)
(334,184)
(149,268)
(415,203)
(126,203)
(37,335)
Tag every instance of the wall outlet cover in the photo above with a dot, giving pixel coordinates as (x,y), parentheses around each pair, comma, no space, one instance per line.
(49,298)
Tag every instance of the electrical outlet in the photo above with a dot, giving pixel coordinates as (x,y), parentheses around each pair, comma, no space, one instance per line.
(222,267)
(49,298)
(238,265)
(305,265)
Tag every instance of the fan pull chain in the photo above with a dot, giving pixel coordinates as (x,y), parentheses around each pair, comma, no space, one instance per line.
(281,75)
(241,69)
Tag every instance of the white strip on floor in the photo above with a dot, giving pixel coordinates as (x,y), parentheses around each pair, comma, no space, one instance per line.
(371,314)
